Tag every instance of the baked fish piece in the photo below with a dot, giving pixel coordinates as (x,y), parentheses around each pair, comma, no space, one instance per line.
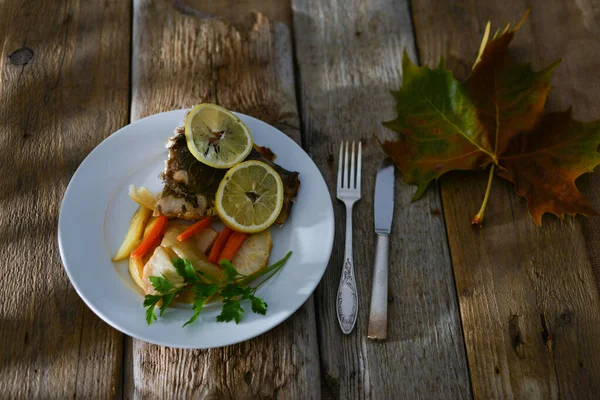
(190,186)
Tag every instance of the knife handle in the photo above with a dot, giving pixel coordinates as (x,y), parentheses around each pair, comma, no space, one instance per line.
(379,295)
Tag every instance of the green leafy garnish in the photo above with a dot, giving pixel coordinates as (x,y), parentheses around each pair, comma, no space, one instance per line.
(202,292)
(167,299)
(150,302)
(234,289)
(232,310)
(230,270)
(186,270)
(258,305)
(161,284)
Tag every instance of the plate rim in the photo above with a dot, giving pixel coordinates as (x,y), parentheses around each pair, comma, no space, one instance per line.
(140,336)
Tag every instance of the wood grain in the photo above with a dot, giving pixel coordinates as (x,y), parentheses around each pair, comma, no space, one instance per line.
(64,77)
(180,59)
(349,56)
(528,298)
(235,10)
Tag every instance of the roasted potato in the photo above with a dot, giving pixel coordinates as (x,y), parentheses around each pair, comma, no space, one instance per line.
(134,234)
(198,259)
(142,196)
(254,253)
(205,239)
(171,233)
(136,269)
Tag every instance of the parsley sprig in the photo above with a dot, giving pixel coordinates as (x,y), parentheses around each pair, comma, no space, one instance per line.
(234,289)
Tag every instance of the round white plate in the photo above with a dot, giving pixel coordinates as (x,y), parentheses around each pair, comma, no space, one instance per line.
(95,215)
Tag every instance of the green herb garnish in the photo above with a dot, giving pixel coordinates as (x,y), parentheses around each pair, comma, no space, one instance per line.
(234,289)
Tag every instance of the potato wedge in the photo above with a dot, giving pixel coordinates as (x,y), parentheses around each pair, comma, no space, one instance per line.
(149,225)
(254,253)
(134,234)
(198,260)
(171,233)
(205,239)
(142,196)
(136,269)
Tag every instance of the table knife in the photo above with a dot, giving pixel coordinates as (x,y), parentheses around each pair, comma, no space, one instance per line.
(384,212)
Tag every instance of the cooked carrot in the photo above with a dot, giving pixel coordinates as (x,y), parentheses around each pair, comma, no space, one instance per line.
(233,245)
(219,245)
(194,228)
(152,238)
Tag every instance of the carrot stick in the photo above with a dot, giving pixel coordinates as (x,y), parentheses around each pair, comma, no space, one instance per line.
(219,245)
(152,238)
(195,228)
(233,245)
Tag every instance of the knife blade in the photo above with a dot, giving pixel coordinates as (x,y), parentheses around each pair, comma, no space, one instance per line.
(384,197)
(384,212)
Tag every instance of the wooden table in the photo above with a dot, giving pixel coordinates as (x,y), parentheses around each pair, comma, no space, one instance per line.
(511,311)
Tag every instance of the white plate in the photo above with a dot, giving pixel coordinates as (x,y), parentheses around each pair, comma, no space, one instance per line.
(95,215)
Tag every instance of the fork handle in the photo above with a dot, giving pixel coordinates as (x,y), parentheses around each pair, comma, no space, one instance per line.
(379,295)
(347,295)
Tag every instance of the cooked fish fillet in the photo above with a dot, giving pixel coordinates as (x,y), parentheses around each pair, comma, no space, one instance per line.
(190,186)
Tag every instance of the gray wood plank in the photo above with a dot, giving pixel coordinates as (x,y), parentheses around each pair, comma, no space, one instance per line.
(349,57)
(64,78)
(528,297)
(180,58)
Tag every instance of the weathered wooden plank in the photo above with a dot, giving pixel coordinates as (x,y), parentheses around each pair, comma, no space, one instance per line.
(64,76)
(528,298)
(349,55)
(180,59)
(275,10)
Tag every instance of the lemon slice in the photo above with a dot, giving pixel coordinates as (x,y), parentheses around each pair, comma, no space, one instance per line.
(216,137)
(250,197)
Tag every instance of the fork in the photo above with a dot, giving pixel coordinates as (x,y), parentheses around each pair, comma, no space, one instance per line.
(348,191)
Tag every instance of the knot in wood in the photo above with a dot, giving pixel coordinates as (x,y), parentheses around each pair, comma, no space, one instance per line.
(466,293)
(565,318)
(21,56)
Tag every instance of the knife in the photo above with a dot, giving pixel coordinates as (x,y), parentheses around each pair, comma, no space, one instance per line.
(384,211)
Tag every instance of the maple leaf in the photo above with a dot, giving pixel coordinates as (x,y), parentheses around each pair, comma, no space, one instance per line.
(544,163)
(495,118)
(438,127)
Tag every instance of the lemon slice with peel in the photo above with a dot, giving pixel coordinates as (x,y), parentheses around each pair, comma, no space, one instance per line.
(250,197)
(216,137)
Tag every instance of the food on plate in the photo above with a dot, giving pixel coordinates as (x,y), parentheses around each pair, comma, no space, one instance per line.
(206,239)
(216,137)
(160,264)
(190,186)
(199,260)
(152,239)
(136,270)
(250,197)
(232,290)
(254,254)
(150,225)
(214,172)
(194,229)
(134,234)
(142,196)
(219,245)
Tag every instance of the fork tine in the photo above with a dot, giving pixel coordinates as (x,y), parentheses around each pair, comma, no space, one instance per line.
(339,180)
(346,167)
(352,168)
(359,165)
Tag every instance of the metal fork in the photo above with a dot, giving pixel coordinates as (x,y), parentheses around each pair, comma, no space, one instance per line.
(348,191)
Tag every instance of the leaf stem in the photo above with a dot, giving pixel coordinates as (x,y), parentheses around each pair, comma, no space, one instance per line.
(478,219)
